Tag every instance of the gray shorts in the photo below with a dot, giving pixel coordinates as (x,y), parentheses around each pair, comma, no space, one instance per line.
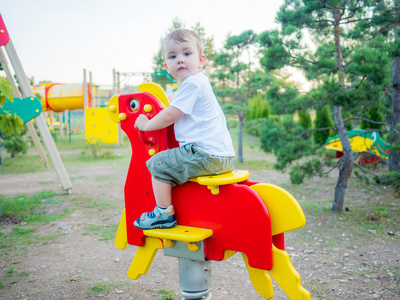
(178,165)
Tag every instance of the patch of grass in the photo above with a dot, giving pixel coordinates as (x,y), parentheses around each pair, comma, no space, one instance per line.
(255,164)
(28,212)
(364,220)
(166,294)
(47,182)
(101,287)
(24,273)
(102,178)
(105,232)
(10,272)
(82,158)
(368,209)
(30,209)
(78,178)
(105,286)
(38,291)
(22,164)
(97,203)
(31,163)
(78,142)
(17,241)
(317,293)
(76,279)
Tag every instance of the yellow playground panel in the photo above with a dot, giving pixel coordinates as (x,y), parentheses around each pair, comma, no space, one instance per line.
(98,125)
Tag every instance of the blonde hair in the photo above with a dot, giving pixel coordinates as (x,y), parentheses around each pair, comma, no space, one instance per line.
(181,35)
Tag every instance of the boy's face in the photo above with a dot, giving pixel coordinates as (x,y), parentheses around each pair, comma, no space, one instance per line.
(183,59)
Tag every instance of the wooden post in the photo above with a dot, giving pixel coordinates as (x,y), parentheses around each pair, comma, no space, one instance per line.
(29,125)
(40,121)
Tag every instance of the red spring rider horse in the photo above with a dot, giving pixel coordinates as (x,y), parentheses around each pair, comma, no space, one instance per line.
(217,215)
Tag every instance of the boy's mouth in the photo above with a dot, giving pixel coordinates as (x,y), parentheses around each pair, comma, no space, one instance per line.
(181,68)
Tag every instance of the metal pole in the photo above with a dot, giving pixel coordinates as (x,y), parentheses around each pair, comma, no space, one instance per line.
(40,121)
(195,274)
(118,82)
(91,89)
(66,122)
(61,124)
(114,90)
(195,279)
(84,90)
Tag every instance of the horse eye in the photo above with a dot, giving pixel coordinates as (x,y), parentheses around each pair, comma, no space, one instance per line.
(135,105)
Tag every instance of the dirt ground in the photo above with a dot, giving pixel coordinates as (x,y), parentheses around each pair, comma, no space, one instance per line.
(333,263)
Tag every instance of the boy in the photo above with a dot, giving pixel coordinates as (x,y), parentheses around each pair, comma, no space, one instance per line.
(200,128)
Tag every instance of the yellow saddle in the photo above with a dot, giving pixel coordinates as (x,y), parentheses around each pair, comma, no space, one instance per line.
(214,181)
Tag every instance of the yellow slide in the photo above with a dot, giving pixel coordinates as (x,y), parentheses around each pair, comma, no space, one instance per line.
(60,97)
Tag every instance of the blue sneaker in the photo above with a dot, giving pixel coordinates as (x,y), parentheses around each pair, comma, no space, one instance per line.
(158,218)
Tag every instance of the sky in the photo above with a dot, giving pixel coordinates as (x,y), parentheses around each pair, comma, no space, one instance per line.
(56,39)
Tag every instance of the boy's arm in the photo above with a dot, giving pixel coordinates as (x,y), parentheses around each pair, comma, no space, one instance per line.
(163,119)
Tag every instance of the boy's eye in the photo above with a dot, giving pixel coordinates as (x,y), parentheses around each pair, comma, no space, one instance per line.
(187,53)
(172,57)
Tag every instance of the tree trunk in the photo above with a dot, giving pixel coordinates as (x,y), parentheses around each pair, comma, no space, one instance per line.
(240,133)
(346,167)
(240,137)
(394,160)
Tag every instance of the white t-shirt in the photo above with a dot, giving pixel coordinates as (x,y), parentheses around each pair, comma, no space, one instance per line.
(203,123)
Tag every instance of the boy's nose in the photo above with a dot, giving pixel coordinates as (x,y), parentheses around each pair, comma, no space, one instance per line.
(180,59)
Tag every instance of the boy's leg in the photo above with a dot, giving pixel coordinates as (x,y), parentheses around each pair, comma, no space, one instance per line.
(162,192)
(163,215)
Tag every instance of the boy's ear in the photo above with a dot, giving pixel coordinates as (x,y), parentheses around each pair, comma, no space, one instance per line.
(166,67)
(202,60)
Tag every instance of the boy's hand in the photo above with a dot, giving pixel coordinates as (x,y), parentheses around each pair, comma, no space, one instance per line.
(141,122)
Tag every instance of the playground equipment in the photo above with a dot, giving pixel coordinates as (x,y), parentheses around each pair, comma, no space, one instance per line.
(98,126)
(27,108)
(60,97)
(28,93)
(362,141)
(217,215)
(117,77)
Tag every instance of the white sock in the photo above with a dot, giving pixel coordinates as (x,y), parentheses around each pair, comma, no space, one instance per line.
(166,210)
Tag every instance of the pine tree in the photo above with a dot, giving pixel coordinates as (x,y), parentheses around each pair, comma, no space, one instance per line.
(235,46)
(345,71)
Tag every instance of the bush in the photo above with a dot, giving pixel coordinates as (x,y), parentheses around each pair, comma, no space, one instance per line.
(15,144)
(95,147)
(257,108)
(305,122)
(283,139)
(254,127)
(306,170)
(322,120)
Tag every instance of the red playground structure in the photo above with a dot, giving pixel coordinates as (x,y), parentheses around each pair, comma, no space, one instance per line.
(217,215)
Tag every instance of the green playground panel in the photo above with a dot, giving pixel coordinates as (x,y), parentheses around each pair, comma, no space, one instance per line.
(27,108)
